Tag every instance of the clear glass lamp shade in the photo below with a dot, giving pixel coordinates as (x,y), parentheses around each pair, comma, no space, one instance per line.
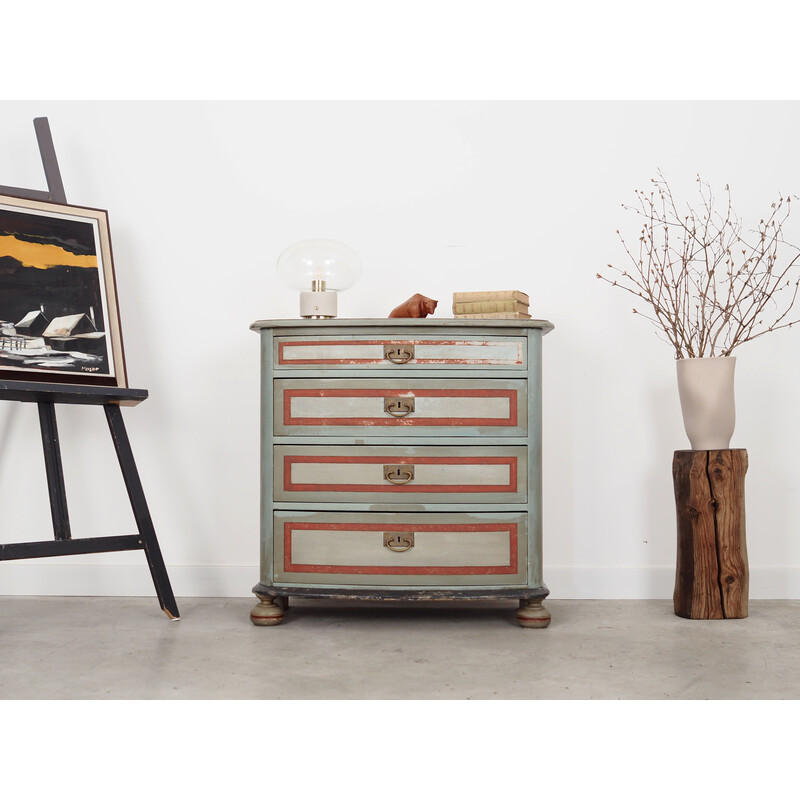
(318,269)
(302,265)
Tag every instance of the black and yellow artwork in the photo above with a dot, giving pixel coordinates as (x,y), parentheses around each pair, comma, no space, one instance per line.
(58,318)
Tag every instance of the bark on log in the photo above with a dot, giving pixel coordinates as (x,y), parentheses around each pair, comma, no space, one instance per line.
(712,575)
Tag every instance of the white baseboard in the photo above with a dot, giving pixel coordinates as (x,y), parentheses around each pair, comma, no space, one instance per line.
(123,580)
(133,580)
(656,583)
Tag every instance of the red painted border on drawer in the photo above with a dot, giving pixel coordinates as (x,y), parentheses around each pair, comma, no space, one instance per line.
(472,361)
(387,486)
(506,569)
(511,394)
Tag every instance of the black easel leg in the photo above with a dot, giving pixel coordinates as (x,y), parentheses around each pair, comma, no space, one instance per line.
(54,470)
(49,160)
(140,511)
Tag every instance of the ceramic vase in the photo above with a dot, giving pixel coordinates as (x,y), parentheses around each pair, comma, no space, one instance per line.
(705,386)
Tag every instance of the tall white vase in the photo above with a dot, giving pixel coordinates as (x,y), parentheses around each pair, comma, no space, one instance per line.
(705,386)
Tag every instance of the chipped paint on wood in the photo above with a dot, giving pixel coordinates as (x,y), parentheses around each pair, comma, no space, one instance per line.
(361,352)
(442,404)
(454,548)
(440,474)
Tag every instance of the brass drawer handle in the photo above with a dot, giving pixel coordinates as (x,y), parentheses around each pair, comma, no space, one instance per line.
(398,354)
(398,406)
(398,543)
(398,473)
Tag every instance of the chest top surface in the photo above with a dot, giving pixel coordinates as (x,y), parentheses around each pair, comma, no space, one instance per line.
(406,324)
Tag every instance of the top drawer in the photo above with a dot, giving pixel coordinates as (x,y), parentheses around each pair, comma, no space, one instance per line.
(418,352)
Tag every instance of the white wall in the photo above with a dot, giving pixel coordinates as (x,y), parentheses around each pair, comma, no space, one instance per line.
(436,197)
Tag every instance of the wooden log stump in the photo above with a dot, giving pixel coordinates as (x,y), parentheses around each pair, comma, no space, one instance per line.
(712,575)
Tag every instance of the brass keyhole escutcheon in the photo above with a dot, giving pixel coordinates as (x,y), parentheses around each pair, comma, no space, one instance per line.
(398,353)
(399,542)
(398,406)
(398,474)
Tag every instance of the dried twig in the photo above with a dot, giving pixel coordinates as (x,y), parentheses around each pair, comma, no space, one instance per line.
(705,286)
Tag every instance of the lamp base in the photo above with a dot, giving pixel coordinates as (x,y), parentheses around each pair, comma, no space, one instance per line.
(318,305)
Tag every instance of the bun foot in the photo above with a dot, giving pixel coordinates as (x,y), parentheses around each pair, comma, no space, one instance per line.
(267,612)
(532,614)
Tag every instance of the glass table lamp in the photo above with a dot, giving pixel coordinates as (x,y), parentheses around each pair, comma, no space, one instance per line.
(319,269)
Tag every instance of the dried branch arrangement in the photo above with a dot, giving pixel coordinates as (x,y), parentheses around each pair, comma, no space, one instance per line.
(705,285)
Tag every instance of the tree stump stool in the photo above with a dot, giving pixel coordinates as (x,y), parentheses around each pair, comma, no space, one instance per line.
(711,576)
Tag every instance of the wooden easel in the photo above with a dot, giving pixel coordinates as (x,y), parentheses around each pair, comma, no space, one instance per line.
(46,395)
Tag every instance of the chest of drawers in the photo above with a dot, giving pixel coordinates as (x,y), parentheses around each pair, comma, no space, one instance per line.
(401,460)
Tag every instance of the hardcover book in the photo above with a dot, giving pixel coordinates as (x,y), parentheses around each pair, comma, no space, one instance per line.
(494,315)
(482,306)
(509,294)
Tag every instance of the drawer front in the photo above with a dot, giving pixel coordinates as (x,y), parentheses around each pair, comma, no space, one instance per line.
(404,549)
(397,407)
(392,474)
(418,352)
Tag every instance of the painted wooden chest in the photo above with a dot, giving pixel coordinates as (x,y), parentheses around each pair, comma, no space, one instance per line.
(401,460)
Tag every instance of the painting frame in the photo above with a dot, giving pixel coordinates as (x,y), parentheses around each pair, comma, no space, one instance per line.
(56,266)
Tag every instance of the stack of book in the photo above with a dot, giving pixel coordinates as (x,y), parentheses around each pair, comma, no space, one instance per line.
(491,305)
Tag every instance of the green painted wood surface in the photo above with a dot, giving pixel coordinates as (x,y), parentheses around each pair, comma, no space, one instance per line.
(369,550)
(530,437)
(477,352)
(266,456)
(535,458)
(402,385)
(398,326)
(513,469)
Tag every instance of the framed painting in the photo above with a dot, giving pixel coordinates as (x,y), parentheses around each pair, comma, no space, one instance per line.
(59,317)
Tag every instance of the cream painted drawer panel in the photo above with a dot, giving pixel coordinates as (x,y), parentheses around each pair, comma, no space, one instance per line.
(400,549)
(397,407)
(395,474)
(332,352)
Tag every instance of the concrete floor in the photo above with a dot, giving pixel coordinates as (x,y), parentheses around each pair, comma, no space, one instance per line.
(126,648)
